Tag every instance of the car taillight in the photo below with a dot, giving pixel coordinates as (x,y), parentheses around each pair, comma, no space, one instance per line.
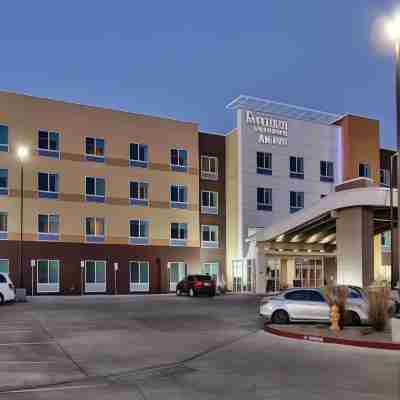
(198,284)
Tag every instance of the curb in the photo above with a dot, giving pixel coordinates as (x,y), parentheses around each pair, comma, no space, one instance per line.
(331,340)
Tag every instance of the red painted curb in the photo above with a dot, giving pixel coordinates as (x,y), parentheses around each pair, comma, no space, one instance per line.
(324,339)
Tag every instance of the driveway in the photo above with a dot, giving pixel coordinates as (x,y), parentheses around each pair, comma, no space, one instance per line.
(164,347)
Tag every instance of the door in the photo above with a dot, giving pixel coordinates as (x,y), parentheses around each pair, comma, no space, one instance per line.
(176,272)
(298,305)
(139,276)
(95,276)
(212,269)
(273,273)
(237,276)
(319,307)
(48,276)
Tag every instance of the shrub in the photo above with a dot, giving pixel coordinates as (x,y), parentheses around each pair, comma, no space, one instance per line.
(378,307)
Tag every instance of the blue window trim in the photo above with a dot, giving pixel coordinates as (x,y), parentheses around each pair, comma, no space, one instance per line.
(295,209)
(48,195)
(3,235)
(179,168)
(138,240)
(178,242)
(98,159)
(4,192)
(95,198)
(94,238)
(48,236)
(264,207)
(138,164)
(178,204)
(327,179)
(264,171)
(139,202)
(4,147)
(297,175)
(49,153)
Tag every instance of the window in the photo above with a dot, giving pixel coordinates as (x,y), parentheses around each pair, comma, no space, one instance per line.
(95,189)
(4,182)
(296,167)
(178,196)
(363,170)
(209,236)
(326,171)
(49,144)
(95,149)
(209,202)
(138,193)
(209,167)
(317,297)
(138,231)
(264,199)
(95,276)
(48,185)
(48,226)
(5,266)
(296,201)
(385,177)
(386,241)
(264,163)
(178,234)
(179,160)
(94,229)
(211,269)
(297,295)
(48,276)
(138,155)
(3,225)
(139,276)
(3,138)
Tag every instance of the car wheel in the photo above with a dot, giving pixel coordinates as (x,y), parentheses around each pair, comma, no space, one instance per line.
(211,293)
(351,318)
(1,299)
(280,317)
(192,293)
(178,292)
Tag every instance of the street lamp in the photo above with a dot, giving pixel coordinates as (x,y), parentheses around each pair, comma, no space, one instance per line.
(393,32)
(22,155)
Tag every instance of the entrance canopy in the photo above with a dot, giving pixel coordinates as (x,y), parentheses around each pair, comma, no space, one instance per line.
(314,229)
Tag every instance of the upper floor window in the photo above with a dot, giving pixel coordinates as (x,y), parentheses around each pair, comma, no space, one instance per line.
(48,185)
(385,177)
(209,236)
(363,170)
(3,225)
(138,193)
(209,167)
(49,144)
(138,155)
(138,231)
(296,167)
(95,189)
(179,234)
(3,181)
(326,171)
(3,138)
(48,226)
(209,202)
(95,149)
(264,163)
(264,199)
(296,201)
(94,229)
(178,196)
(179,160)
(386,241)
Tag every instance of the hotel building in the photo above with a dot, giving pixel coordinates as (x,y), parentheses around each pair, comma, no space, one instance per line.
(116,202)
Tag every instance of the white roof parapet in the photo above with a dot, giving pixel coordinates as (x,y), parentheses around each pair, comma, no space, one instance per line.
(372,196)
(282,110)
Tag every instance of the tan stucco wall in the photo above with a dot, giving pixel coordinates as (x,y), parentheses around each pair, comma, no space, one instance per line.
(25,115)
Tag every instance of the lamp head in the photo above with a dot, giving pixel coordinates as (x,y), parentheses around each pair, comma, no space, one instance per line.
(22,153)
(393,28)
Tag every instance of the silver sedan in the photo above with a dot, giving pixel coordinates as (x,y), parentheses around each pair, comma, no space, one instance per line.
(308,305)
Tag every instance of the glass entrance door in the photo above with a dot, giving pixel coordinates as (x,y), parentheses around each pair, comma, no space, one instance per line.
(176,272)
(237,275)
(273,273)
(309,272)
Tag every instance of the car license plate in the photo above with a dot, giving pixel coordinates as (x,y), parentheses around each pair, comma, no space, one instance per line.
(206,284)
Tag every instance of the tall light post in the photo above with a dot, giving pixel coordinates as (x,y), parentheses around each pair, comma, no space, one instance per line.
(22,155)
(393,31)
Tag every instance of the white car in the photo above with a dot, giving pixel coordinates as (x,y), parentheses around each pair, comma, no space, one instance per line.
(308,305)
(7,290)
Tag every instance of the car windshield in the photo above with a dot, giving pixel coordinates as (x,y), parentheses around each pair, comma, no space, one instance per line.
(203,277)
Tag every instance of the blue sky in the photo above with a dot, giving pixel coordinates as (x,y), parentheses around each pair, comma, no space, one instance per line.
(188,59)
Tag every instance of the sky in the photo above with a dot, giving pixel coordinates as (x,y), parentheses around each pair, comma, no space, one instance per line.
(188,59)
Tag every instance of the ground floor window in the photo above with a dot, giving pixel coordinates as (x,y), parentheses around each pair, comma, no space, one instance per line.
(176,271)
(95,276)
(139,275)
(243,275)
(309,272)
(5,266)
(48,276)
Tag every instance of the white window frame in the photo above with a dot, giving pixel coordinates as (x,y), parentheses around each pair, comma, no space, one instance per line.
(47,287)
(93,287)
(296,207)
(6,214)
(6,188)
(208,209)
(8,138)
(58,152)
(138,159)
(48,223)
(265,203)
(8,265)
(139,286)
(139,184)
(209,174)
(210,243)
(386,176)
(325,174)
(179,229)
(48,182)
(296,172)
(140,220)
(185,188)
(178,149)
(95,147)
(266,155)
(95,235)
(95,187)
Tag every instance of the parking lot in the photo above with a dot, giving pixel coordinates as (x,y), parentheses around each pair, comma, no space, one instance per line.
(161,346)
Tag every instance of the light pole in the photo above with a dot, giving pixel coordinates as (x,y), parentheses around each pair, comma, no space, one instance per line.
(393,30)
(22,155)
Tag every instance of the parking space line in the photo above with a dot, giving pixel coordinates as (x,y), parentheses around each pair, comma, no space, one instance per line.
(55,388)
(27,343)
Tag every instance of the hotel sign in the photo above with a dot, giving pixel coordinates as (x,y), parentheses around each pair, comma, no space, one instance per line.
(270,130)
